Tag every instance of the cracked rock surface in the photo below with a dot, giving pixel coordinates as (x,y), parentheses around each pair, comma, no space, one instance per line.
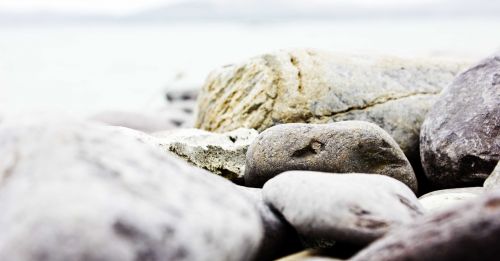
(318,87)
(220,153)
(354,208)
(340,147)
(469,231)
(460,137)
(79,191)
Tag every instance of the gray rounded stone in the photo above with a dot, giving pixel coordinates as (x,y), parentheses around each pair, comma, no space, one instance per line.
(354,208)
(469,231)
(460,137)
(79,191)
(442,199)
(493,180)
(341,147)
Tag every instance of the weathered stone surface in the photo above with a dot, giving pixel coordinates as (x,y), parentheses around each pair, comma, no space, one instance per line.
(280,238)
(441,199)
(469,231)
(353,208)
(222,154)
(318,87)
(493,180)
(341,147)
(460,138)
(78,191)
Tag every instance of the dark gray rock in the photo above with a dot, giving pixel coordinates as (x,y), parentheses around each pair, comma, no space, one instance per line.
(470,231)
(280,238)
(460,141)
(341,147)
(79,191)
(352,208)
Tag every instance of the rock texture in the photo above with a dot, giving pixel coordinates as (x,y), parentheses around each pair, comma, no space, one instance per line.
(442,199)
(460,138)
(354,208)
(222,154)
(470,231)
(318,87)
(341,147)
(493,180)
(280,238)
(78,191)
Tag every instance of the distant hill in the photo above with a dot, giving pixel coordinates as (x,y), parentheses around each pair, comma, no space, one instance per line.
(262,11)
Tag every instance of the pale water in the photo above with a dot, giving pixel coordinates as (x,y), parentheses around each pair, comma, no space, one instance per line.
(84,69)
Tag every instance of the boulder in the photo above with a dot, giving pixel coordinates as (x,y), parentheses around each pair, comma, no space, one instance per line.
(318,87)
(493,180)
(354,208)
(442,199)
(460,137)
(223,154)
(79,191)
(469,231)
(340,147)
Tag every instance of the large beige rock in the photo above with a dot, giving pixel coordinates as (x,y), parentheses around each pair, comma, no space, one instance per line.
(318,87)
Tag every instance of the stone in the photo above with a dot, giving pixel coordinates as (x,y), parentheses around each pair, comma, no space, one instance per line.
(223,154)
(354,208)
(493,180)
(468,231)
(308,255)
(340,147)
(460,137)
(441,199)
(71,190)
(280,238)
(312,86)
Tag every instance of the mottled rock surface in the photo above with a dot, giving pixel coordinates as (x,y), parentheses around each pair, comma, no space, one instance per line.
(353,208)
(79,191)
(441,199)
(319,87)
(223,154)
(460,137)
(493,180)
(280,238)
(469,231)
(341,147)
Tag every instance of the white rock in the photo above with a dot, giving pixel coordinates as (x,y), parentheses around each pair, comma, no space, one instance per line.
(441,199)
(493,180)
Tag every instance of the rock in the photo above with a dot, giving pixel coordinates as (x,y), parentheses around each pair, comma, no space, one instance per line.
(460,138)
(308,255)
(493,180)
(146,122)
(469,231)
(341,147)
(222,154)
(318,87)
(441,199)
(80,191)
(280,238)
(355,208)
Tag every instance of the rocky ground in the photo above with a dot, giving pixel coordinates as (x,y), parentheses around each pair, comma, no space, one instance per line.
(293,155)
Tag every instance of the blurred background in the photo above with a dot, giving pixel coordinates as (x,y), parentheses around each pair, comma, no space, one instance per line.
(85,57)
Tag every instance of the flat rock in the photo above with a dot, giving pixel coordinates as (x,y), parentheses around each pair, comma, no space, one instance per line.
(354,208)
(441,199)
(280,238)
(79,191)
(493,180)
(460,138)
(319,87)
(223,154)
(469,231)
(340,147)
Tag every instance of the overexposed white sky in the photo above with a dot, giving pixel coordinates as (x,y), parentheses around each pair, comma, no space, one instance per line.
(127,6)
